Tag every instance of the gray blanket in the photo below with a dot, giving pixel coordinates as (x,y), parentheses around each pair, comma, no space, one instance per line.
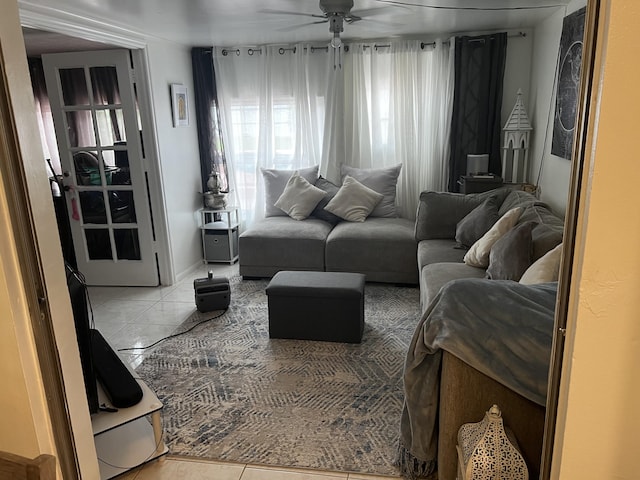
(501,328)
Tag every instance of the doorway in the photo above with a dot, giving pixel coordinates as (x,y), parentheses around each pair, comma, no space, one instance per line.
(93,103)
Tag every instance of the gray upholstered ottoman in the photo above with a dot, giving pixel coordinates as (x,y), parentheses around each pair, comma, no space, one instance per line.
(325,306)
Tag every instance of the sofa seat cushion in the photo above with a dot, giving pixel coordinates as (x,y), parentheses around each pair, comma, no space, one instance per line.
(439,250)
(282,243)
(384,249)
(435,275)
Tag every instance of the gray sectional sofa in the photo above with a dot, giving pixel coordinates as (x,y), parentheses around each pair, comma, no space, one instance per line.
(376,243)
(384,249)
(439,262)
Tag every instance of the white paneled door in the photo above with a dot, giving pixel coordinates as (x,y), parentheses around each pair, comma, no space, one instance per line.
(93,101)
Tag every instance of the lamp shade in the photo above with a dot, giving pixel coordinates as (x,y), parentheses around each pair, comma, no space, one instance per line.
(486,451)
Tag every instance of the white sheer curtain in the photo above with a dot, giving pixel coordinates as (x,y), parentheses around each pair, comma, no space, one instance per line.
(397,109)
(273,114)
(292,109)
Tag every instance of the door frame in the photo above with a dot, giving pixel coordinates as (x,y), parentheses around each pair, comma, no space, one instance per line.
(54,416)
(44,18)
(34,17)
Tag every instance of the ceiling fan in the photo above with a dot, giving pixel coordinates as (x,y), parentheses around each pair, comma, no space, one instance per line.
(336,13)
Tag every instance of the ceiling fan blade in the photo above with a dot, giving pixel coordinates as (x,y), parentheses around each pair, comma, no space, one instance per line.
(295,27)
(286,12)
(369,20)
(369,12)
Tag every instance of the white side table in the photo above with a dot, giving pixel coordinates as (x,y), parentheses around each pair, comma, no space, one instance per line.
(130,436)
(219,229)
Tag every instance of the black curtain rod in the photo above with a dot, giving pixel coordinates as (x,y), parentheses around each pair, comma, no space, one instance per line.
(283,50)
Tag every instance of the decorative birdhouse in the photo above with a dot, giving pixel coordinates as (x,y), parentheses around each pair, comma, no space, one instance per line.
(486,451)
(515,150)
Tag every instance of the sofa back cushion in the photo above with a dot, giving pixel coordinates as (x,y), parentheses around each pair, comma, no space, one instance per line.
(276,180)
(380,180)
(548,233)
(439,212)
(519,198)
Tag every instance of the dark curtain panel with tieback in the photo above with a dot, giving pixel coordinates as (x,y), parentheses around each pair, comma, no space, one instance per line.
(477,102)
(208,117)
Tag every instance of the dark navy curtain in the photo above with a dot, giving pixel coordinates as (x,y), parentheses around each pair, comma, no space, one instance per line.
(477,102)
(208,117)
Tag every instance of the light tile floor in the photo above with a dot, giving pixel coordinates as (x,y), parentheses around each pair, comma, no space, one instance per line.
(134,317)
(180,468)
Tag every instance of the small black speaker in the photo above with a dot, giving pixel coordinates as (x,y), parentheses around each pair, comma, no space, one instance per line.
(212,293)
(119,384)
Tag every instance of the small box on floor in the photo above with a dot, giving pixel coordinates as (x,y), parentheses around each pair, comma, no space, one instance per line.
(212,293)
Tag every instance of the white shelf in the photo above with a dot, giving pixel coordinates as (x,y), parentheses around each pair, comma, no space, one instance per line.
(221,225)
(225,222)
(126,447)
(105,421)
(130,436)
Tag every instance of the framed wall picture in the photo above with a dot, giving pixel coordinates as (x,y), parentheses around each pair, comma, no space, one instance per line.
(570,62)
(179,105)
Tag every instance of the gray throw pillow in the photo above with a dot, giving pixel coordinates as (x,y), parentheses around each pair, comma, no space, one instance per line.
(274,183)
(381,180)
(439,212)
(511,255)
(319,212)
(477,222)
(354,201)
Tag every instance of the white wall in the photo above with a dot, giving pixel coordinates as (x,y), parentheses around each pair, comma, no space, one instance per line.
(549,172)
(178,153)
(517,71)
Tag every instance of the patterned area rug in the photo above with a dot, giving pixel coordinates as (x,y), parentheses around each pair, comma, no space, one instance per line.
(230,393)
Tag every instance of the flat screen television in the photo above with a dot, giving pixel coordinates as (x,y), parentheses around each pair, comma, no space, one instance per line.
(78,296)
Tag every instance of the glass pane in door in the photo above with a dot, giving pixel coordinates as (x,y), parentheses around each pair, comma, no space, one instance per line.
(104,82)
(74,86)
(127,244)
(98,244)
(110,126)
(122,207)
(87,168)
(80,129)
(118,160)
(92,207)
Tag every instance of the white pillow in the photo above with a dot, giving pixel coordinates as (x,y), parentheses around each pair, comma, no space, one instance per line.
(299,198)
(353,202)
(545,269)
(381,180)
(274,183)
(478,254)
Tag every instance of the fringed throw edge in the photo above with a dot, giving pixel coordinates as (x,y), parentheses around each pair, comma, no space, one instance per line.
(412,467)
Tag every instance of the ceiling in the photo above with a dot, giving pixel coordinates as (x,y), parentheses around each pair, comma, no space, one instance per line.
(253,22)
